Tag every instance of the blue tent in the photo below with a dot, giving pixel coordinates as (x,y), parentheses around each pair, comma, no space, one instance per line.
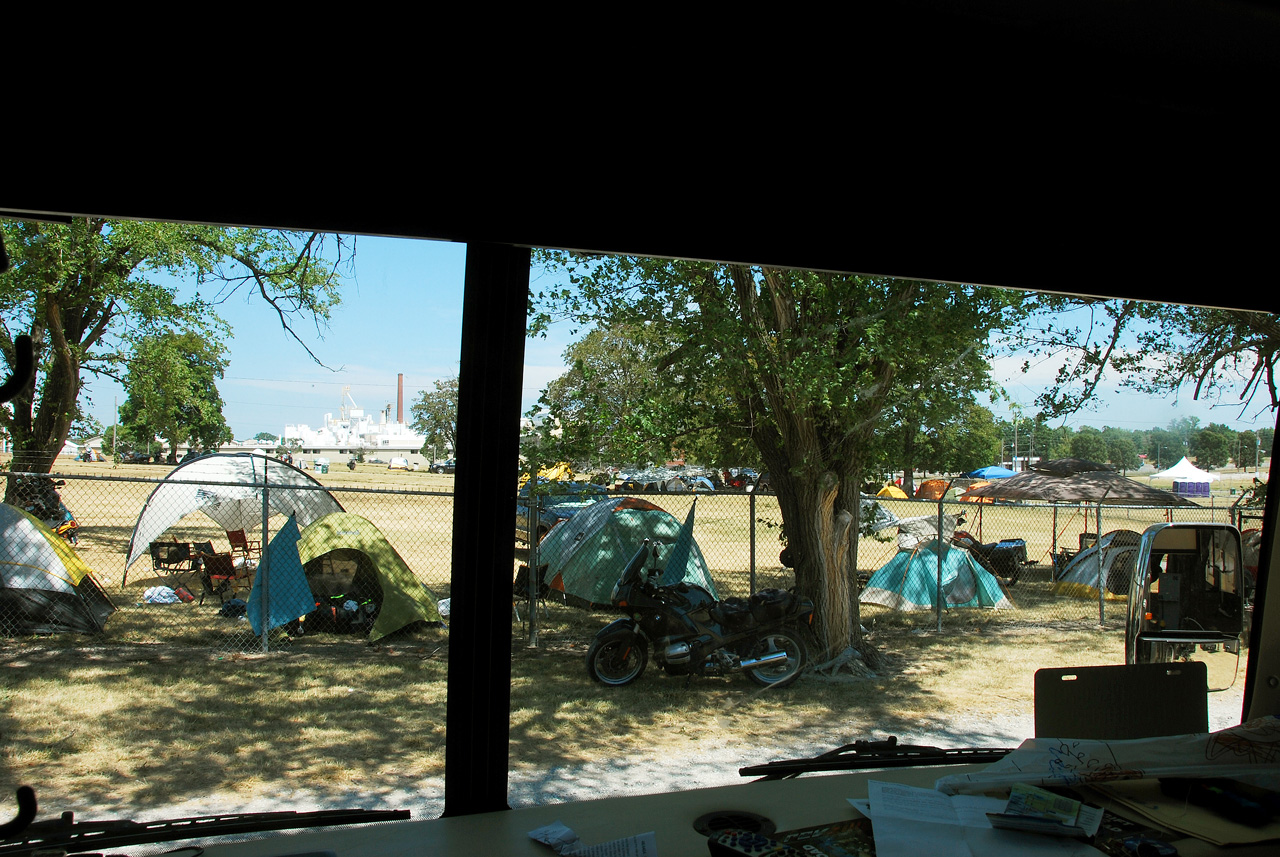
(992,471)
(909,581)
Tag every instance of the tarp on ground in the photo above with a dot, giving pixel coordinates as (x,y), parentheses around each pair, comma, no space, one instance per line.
(369,564)
(280,590)
(909,581)
(1185,471)
(584,555)
(45,587)
(228,487)
(1119,549)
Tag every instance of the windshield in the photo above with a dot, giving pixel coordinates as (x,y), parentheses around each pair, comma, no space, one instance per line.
(251,628)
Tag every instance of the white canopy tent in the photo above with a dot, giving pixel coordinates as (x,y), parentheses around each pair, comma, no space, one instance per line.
(1185,471)
(229,487)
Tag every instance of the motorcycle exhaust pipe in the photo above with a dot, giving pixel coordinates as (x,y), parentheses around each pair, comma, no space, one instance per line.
(752,663)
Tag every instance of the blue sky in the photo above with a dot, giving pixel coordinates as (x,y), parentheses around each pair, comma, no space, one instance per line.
(402,313)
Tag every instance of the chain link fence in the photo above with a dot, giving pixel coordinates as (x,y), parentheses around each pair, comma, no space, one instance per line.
(201,575)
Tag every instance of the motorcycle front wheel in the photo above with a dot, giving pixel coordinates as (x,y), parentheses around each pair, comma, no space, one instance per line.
(778,673)
(617,659)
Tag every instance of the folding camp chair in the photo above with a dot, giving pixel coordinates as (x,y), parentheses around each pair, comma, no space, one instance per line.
(218,576)
(173,560)
(520,591)
(241,545)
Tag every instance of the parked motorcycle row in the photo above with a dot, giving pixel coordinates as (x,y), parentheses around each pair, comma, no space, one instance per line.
(691,633)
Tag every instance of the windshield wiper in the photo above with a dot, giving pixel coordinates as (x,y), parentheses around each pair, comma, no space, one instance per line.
(861,755)
(69,835)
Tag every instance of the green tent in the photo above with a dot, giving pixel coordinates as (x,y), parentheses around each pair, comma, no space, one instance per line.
(345,554)
(909,581)
(584,555)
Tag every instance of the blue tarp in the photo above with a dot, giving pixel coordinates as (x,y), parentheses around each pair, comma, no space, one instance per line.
(288,593)
(992,471)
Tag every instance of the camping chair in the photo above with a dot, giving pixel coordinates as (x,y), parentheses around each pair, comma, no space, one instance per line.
(241,545)
(520,591)
(173,560)
(1114,703)
(218,576)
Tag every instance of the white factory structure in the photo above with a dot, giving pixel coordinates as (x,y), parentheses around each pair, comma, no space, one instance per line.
(353,431)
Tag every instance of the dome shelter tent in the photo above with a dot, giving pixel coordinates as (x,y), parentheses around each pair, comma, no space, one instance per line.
(909,581)
(346,554)
(45,587)
(1079,579)
(583,556)
(229,488)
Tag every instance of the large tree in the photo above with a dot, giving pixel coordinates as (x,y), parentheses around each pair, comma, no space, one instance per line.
(806,363)
(87,291)
(173,393)
(435,415)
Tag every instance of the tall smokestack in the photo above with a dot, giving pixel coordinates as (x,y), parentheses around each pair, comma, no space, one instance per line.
(400,398)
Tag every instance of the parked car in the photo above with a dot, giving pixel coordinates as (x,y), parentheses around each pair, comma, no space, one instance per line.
(399,464)
(443,466)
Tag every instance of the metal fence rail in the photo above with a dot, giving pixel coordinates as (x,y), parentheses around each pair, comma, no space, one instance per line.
(182,596)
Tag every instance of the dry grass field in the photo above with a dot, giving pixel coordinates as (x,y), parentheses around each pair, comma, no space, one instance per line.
(160,709)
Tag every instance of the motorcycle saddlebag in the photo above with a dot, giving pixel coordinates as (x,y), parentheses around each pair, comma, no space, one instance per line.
(1007,555)
(769,605)
(733,614)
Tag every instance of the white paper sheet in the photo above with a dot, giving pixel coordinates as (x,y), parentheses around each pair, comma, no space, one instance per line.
(1249,752)
(564,841)
(910,822)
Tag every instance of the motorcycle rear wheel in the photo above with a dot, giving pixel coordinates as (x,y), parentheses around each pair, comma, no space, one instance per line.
(782,673)
(617,659)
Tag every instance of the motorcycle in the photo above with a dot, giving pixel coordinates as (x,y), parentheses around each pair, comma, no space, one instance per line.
(39,496)
(1004,558)
(691,632)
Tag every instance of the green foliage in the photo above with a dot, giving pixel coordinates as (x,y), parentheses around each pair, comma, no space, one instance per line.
(435,415)
(88,293)
(802,365)
(172,391)
(1164,448)
(967,441)
(1212,446)
(1222,356)
(266,436)
(1089,444)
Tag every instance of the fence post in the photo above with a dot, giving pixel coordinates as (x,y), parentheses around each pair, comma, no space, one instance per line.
(1053,548)
(264,603)
(535,517)
(938,596)
(751,510)
(1101,583)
